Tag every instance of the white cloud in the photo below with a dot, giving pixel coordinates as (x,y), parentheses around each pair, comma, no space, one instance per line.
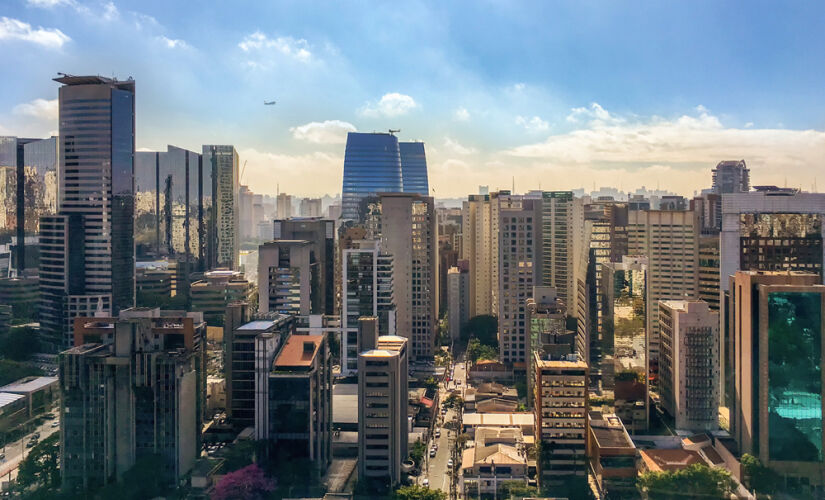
(326,132)
(297,49)
(391,104)
(311,174)
(48,4)
(38,108)
(534,124)
(110,12)
(517,87)
(173,43)
(457,148)
(13,29)
(749,125)
(461,114)
(595,114)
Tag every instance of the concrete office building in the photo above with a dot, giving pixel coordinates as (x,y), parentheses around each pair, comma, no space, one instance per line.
(367,290)
(519,264)
(223,248)
(772,230)
(409,234)
(709,282)
(310,207)
(320,233)
(557,243)
(22,294)
(458,297)
(689,364)
(547,331)
(132,387)
(287,274)
(731,177)
(242,351)
(299,402)
(670,241)
(777,322)
(561,408)
(476,248)
(612,455)
(218,289)
(283,206)
(89,246)
(382,410)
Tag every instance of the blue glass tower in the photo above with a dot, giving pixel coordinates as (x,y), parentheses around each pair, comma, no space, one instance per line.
(414,168)
(372,164)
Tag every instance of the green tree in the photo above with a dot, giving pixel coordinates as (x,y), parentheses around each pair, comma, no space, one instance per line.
(516,489)
(41,467)
(431,384)
(476,351)
(14,370)
(417,452)
(693,481)
(453,401)
(148,478)
(416,492)
(758,477)
(19,343)
(484,328)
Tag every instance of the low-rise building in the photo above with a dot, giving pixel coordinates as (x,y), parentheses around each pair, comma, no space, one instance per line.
(218,289)
(499,455)
(523,421)
(611,453)
(38,391)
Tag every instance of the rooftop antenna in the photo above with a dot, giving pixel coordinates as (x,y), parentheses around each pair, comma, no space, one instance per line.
(514,185)
(393,132)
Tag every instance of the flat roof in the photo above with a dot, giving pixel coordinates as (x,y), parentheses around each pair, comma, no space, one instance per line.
(345,403)
(610,433)
(261,324)
(293,353)
(7,398)
(28,385)
(669,460)
(499,419)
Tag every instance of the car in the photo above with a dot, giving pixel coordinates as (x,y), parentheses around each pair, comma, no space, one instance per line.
(31,443)
(458,382)
(2,456)
(432,452)
(36,436)
(450,463)
(438,433)
(55,424)
(426,483)
(443,410)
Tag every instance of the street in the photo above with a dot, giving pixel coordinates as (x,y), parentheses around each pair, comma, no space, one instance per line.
(16,451)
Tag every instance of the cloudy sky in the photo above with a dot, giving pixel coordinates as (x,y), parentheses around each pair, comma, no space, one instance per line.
(561,94)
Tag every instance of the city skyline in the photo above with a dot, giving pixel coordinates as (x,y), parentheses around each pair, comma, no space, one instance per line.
(561,97)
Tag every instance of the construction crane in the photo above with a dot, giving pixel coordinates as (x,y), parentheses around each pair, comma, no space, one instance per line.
(243,169)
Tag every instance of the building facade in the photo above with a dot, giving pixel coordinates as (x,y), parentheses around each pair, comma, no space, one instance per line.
(372,165)
(288,278)
(458,297)
(223,248)
(414,168)
(320,233)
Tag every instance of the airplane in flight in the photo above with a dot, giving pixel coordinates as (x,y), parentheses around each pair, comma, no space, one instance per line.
(269,103)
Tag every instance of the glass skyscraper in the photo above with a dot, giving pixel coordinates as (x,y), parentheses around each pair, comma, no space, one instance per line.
(372,164)
(414,168)
(222,248)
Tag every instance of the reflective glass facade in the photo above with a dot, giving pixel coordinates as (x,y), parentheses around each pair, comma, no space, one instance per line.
(372,164)
(414,168)
(220,194)
(795,376)
(781,242)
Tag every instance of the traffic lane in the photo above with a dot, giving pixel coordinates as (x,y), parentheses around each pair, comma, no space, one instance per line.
(438,473)
(16,451)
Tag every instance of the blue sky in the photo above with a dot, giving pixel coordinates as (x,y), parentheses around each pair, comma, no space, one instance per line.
(566,94)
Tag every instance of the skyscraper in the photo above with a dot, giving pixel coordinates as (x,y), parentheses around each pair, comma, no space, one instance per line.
(372,165)
(477,249)
(287,270)
(223,248)
(320,233)
(557,243)
(731,177)
(414,168)
(96,199)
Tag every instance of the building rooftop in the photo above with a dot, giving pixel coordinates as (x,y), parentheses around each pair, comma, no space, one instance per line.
(379,353)
(499,419)
(299,351)
(29,384)
(258,325)
(669,460)
(544,363)
(95,80)
(345,403)
(7,398)
(609,431)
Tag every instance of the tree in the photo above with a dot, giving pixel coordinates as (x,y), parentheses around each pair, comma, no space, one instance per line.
(148,478)
(758,477)
(453,401)
(483,327)
(13,370)
(516,489)
(417,452)
(431,384)
(476,351)
(691,482)
(19,343)
(249,483)
(41,467)
(416,492)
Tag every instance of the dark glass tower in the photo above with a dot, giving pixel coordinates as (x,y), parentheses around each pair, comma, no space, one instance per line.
(372,164)
(414,168)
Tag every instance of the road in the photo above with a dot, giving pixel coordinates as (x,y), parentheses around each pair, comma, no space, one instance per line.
(16,451)
(437,471)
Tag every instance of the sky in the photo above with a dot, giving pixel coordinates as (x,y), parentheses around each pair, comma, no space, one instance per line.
(551,95)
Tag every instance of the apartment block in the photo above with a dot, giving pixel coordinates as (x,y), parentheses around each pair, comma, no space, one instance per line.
(216,290)
(320,233)
(287,278)
(458,297)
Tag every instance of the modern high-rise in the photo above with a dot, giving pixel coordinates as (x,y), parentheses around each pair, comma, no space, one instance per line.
(777,323)
(367,290)
(731,176)
(216,290)
(709,284)
(519,261)
(670,241)
(476,248)
(91,240)
(561,408)
(557,242)
(299,402)
(284,206)
(409,232)
(320,233)
(287,278)
(382,410)
(547,335)
(132,387)
(689,364)
(372,165)
(458,296)
(173,191)
(414,168)
(223,249)
(772,230)
(310,207)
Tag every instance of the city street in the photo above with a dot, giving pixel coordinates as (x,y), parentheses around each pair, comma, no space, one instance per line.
(16,451)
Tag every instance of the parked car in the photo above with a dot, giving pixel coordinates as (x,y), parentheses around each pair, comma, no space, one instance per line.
(432,452)
(426,482)
(450,463)
(438,433)
(55,424)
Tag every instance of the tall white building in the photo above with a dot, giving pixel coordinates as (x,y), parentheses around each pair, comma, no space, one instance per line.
(477,248)
(689,364)
(458,299)
(557,243)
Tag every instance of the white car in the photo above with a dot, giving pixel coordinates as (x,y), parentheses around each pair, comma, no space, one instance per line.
(426,483)
(432,452)
(438,433)
(450,463)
